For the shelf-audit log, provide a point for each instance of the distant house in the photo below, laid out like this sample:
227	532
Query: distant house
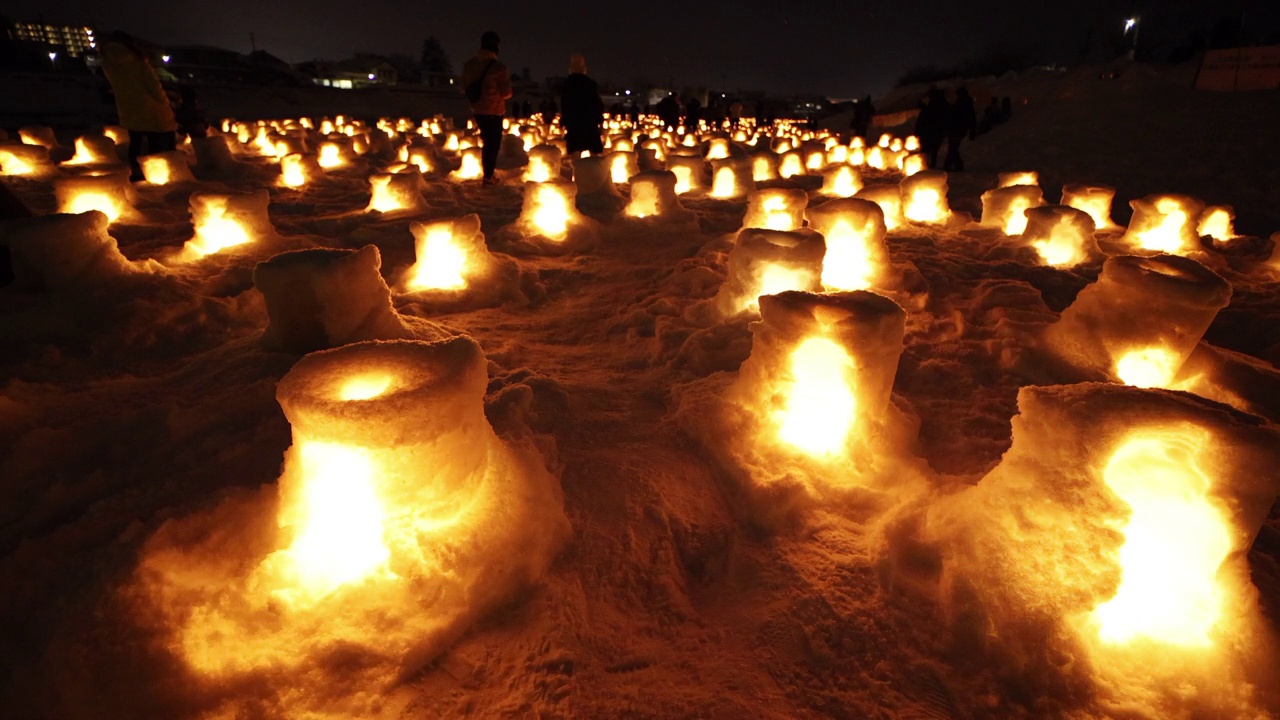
357	72
73	40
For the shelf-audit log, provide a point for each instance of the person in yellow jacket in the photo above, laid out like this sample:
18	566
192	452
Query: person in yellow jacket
141	102
487	84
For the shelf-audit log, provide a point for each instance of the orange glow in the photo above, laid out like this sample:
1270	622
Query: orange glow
383	197
1016	222
843	183
538	170
718	149
774	279
1063	248
791	166
762	169
87	200
214	231
684	178
925	206
777	216
875	158
1018	178
1148	367
331	156
471	167
1216	223
551	216
293	171
724	184
442	261
913	164
619	170
11	164
1176	539
848	263
819	404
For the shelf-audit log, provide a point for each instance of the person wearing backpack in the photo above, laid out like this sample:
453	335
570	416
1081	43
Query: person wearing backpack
582	111
488	87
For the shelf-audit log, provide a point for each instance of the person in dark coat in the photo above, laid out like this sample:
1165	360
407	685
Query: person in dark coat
582	110
493	81
990	117
668	110
692	114
191	119
962	121
863	112
931	124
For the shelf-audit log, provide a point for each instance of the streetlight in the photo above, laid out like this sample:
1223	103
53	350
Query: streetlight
1128	24
164	58
53	57
1132	24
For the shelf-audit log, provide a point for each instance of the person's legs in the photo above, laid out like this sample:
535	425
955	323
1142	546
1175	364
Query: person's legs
137	139
953	161
490	142
161	142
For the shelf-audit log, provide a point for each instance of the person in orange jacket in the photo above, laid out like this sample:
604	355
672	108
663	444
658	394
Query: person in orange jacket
141	101
488	87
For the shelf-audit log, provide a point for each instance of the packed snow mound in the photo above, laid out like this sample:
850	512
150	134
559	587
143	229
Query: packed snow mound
67	253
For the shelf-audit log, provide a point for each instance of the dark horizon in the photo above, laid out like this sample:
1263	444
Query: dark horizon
830	48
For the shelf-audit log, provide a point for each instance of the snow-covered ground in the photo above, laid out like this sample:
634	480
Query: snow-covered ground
141	418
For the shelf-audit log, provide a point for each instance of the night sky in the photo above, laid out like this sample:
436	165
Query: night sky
839	48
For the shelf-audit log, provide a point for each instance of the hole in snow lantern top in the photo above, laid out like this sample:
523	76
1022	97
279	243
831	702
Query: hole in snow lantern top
226	220
776	209
1063	236
924	198
1164	224
1140	321
324	298
1006	207
821	370
1093	199
853	230
767	262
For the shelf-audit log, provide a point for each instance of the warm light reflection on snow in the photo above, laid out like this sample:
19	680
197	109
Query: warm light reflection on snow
724	184
1175	541
1216	223
777	216
551	216
1016	222
819	401
441	261
847	264
1152	367
364	387
1166	235
774	279
330	156
925	206
214	231
1063	248
87	200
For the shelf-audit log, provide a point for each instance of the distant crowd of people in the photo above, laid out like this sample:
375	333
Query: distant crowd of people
951	121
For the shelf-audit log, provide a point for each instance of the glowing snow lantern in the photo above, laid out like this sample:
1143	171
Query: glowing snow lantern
420	158
837	154
331	156
395	193
730	179
924	198
592	177
1004	180
1164	223
889	198
118	134
764	167
94	150
718	148
792	165
108	193
544	164
896	145
767	262
877	158
165	168
1216	222
912	144
298	170
841	181
324	298
858	157
1095	200
853	230
1006	207
550	218
688	171
62	253
39	135
654	195
815	161
776	209
913	163
213	156
226	220
1141	320
885	141
25	160
1063	236
471	167
857	142
448	253
622	165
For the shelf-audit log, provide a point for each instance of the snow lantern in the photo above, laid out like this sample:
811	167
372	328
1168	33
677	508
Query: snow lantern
767	262
166	168
717	148
298	170
853	230
688	170
1093	199
653	195
877	157
911	144
814	161
885	140
1122	514
397	193
544	164
64	252
213	156
841	181
549	213
332	155
791	165
25	160
227	220
821	369
1006	207
858	156
324	298
764	166
1164	223
776	209
118	134
421	158
591	176
622	165
1012	179
41	135
1217	222
94	150
924	198
1141	320
914	163
109	193
449	253
837	154
889	198
471	168
730	179
1062	235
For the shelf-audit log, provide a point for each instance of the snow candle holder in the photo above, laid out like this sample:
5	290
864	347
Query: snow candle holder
913	163
298	170
549	214
889	198
1141	320
622	165
877	157
1093	199
791	165
396	193
1062	235
450	253
1217	222
717	148
1014	179
227	220
730	179
1164	224
821	369
94	150
924	198
767	262
688	170
1006	207
41	135
841	181
324	298
764	166
25	160
653	195
471	167
544	164
65	253
109	193
856	255
166	168
776	209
